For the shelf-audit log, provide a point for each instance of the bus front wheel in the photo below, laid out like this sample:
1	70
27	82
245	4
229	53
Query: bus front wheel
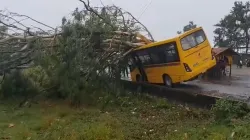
167	81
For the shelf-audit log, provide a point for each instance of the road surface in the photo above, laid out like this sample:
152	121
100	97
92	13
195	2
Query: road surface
237	87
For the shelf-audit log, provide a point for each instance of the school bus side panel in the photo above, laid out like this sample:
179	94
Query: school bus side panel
172	66
149	72
155	74
175	71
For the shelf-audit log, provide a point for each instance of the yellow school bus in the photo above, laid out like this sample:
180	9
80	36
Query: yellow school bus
172	61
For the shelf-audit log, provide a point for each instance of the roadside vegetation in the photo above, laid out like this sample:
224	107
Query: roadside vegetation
106	115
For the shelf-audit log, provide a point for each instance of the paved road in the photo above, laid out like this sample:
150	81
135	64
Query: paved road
238	87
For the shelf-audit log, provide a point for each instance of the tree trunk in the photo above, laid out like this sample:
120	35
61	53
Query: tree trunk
230	71
247	46
236	46
247	40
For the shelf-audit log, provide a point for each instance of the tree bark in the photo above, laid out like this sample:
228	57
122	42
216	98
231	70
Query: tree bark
230	71
247	40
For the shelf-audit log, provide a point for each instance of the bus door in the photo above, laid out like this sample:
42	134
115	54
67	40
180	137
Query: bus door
145	66
139	64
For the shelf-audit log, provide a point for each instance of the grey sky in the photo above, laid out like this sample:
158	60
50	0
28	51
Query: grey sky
163	17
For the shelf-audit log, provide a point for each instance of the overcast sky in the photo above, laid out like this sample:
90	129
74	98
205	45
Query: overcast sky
162	17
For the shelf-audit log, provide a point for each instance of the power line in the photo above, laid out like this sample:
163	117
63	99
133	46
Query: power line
146	7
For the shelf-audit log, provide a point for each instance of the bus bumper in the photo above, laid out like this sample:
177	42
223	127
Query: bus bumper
195	74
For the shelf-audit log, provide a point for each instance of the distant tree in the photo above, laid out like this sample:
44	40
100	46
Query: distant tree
188	27
3	29
233	30
179	32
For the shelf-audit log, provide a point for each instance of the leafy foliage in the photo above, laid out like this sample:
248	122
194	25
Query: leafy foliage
16	84
188	27
81	61
226	110
233	30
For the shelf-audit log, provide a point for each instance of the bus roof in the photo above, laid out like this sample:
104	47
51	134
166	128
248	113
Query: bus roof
189	32
168	40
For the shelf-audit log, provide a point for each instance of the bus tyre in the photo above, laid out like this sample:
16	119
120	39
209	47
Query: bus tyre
167	81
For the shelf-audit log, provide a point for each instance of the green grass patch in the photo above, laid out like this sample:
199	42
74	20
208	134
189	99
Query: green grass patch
131	118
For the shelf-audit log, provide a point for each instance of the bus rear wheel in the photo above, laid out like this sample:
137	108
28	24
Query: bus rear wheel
167	81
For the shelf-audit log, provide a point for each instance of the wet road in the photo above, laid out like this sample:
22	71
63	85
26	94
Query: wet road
238	87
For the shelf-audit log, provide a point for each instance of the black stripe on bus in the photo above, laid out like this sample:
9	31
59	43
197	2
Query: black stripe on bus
161	65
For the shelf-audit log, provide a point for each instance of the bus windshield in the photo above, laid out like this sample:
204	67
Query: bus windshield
193	40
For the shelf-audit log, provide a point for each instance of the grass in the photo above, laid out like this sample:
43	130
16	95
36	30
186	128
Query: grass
131	118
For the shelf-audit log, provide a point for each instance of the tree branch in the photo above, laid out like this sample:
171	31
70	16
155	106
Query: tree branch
88	8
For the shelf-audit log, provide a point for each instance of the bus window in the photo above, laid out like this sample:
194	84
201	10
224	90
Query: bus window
155	58
131	63
200	37
144	57
141	57
147	59
193	40
156	55
188	42
171	54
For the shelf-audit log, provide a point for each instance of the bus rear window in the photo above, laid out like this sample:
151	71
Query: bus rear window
193	40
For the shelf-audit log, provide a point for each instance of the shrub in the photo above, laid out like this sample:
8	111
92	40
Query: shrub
16	84
225	110
38	77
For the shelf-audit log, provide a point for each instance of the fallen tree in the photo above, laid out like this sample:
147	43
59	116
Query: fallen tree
92	44
110	28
